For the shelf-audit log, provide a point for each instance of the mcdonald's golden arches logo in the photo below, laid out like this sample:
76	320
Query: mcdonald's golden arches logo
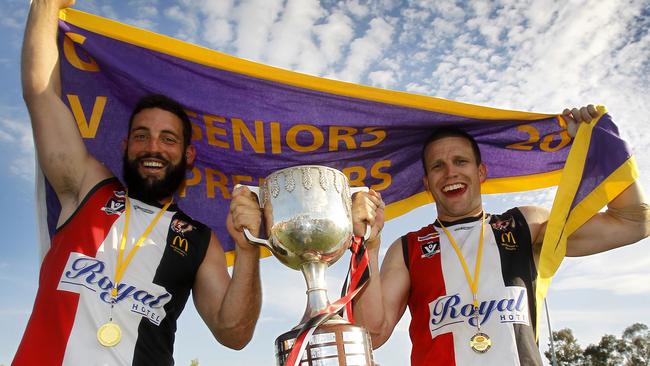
508	240
180	245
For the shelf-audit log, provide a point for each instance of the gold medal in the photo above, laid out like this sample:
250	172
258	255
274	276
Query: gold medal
109	334
480	342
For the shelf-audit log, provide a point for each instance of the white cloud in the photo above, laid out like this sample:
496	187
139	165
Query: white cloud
442	27
334	36
587	273
11	23
188	21
418	88
291	35
356	8
143	14
367	50
255	18
18	136
382	78
216	32
216	29
540	197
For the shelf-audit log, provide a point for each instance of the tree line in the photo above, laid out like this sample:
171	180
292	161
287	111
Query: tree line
631	349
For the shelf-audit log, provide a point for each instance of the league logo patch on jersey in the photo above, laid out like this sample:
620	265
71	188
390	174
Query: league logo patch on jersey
181	227
504	223
430	249
115	204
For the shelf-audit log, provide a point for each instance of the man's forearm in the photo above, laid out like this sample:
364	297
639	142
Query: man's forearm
369	306
242	301
39	54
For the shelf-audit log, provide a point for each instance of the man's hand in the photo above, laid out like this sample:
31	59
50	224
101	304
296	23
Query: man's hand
60	4
244	212
66	3
575	116
368	208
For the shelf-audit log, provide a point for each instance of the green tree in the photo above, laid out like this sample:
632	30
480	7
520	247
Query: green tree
635	345
567	349
606	353
194	362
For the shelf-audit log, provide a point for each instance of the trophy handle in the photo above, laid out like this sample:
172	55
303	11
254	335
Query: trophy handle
354	190
250	237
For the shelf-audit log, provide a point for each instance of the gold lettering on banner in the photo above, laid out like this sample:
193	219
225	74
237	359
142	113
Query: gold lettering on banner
534	138
215	179
379	135
239	128
276	142
197	133
211	130
342	134
239	179
275	137
386	178
317	136
189	182
219	185
356	175
565	139
87	129
70	52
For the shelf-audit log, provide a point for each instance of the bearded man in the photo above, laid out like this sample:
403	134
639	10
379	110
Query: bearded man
124	259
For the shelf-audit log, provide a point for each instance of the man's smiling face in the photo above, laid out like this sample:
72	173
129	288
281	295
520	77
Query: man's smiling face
155	158
454	178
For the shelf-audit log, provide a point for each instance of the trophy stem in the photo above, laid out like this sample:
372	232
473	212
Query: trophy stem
317	300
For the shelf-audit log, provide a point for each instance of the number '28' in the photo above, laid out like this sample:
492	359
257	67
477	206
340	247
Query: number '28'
547	143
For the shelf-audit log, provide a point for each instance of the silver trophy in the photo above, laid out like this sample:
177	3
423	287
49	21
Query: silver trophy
308	220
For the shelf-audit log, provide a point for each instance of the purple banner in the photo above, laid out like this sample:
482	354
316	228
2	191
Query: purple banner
246	127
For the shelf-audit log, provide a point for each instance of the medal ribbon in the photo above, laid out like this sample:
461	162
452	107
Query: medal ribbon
358	276
121	265
473	284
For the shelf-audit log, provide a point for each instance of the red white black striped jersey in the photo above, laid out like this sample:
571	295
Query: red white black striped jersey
440	299
77	274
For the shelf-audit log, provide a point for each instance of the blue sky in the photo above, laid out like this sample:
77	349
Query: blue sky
527	55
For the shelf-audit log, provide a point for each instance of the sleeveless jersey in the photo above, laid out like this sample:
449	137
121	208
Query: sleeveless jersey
440	299
77	274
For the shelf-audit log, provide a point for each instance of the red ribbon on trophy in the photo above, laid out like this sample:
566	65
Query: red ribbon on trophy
358	276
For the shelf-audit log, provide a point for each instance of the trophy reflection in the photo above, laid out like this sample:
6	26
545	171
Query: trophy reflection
307	215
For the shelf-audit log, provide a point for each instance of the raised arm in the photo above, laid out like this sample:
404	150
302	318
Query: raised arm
382	303
61	153
626	220
231	307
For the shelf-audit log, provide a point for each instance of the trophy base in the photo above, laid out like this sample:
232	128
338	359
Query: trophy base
333	343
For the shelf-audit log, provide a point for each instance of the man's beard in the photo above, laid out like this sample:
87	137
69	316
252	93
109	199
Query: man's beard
148	189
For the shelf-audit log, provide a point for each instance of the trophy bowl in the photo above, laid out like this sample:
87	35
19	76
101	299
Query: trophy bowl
308	220
306	214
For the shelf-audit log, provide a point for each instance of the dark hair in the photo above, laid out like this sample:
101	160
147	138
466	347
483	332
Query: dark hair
443	132
167	104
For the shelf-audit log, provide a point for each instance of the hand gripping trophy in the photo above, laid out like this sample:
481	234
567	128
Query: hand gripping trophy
307	215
